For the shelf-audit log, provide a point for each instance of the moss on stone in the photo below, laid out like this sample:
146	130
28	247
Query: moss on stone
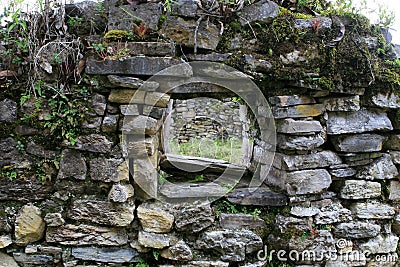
116	35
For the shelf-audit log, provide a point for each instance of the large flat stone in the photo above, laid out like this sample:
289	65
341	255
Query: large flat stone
358	143
380	169
357	122
357	230
140	125
257	197
386	100
72	165
139	65
152	240
290	100
240	221
308	161
260	11
8	110
300	111
194	217
7	261
154	218
33	260
108	170
300	127
348	103
381	244
150	48
294	142
29	225
373	210
107	255
360	189
308	182
93	143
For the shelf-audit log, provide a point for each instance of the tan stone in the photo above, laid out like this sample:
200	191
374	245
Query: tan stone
5	241
29	225
7	261
126	96
154	219
157	99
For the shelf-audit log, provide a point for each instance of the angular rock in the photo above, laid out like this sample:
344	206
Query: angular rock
386	100
183	32
342	171
380	169
154	112
308	161
308	182
357	122
109	124
29	225
86	235
323	23
290	100
139	65
54	219
357	230
108	170
395	155
348	103
156	99
258	65
7	261
5	241
93	143
33	260
72	165
126	82
184	8
359	189
396	224
393	143
11	156
322	245
149	49
140	125
122	96
300	111
380	244
145	176
129	110
213	56
154	218
240	221
178	252
394	191
206	264
233	244
300	127
257	197
107	255
333	214
373	210
292	142
152	240
40	151
8	110
358	143
102	212
300	211
98	104
194	217
121	192
260	11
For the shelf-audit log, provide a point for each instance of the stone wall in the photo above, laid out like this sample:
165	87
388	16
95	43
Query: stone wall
333	185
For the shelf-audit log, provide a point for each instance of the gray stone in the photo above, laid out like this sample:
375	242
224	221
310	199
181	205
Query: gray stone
11	156
257	197
308	161
121	192
289	224
29	225
125	96
300	211
140	125
394	191
357	122
145	176
93	143
386	100
108	170
258	65
372	210
292	142
109	124
92	123
357	230
154	218
396	224
178	252
395	155
322	245
204	263
380	244
127	82
358	143
154	112
98	104
183	32
213	56
26	130
393	143
333	213
72	165
300	111
129	110
233	244
194	217
359	189
323	23
240	221
184	8
380	169
7	261
107	255
342	171
33	260
5	241
348	103
307	182
139	65
290	100
54	219
122	17
152	240
8	110
82	235
293	58
102	212
40	151
301	127
261	11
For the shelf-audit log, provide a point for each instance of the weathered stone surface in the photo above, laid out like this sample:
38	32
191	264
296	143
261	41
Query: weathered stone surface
194	217
355	258
152	240
257	196
300	111
396	224
233	244
213	56
183	32
7	261
348	103
184	8
393	143
357	122
139	65
323	23
300	211
357	230
332	214
293	142
11	156
108	170
206	264
8	110
33	260
23	191
372	210
380	169
102	212
5	241
86	235
240	221
359	189
390	261
72	165
289	224
386	100
122	96
395	155
98	104
130	110
107	255
122	18
342	171
29	225
256	64
381	244
308	161
54	219
145	176
154	112
358	143
308	181
156	99
109	124
127	82
40	151
301	127
93	143
178	252
154	218
140	125
394	191
121	192
150	49
290	100
261	11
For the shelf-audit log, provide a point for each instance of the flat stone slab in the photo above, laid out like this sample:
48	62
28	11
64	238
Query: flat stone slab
290	100
303	127
360	189
257	197
237	221
108	255
358	143
300	111
308	161
293	142
139	65
150	48
195	191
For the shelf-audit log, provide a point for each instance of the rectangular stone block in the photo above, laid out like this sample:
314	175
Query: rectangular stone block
290	100
349	103
360	189
308	161
140	125
298	127
151	48
358	143
308	182
107	255
394	191
292	142
373	210
125	96
300	111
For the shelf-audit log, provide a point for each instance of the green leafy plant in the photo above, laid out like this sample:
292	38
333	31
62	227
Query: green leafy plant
197	178
20	146
142	263
74	21
156	254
